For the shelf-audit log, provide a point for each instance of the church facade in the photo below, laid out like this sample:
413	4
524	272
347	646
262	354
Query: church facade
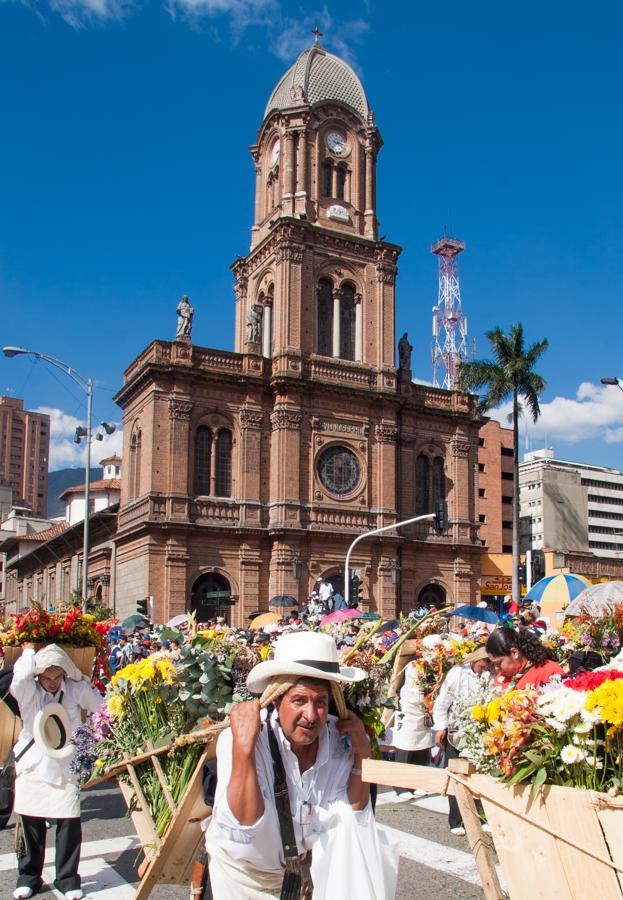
247	474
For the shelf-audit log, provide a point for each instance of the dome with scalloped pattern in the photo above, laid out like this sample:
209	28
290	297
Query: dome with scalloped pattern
315	77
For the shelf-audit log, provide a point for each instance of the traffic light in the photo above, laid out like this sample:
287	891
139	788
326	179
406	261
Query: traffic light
522	574
141	607
353	597
441	516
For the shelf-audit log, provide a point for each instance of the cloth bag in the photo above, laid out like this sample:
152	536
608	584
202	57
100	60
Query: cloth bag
354	858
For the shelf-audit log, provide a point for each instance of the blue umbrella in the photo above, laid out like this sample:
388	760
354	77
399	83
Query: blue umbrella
477	613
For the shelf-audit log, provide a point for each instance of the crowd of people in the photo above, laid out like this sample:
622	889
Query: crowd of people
289	790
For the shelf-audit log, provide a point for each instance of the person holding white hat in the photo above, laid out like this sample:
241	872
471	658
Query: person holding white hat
288	776
51	692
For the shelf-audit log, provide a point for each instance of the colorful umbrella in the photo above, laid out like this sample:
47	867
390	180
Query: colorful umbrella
340	615
597	600
264	619
557	589
477	613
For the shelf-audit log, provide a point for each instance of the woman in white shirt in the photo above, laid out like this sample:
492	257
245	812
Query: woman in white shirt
412	735
45	787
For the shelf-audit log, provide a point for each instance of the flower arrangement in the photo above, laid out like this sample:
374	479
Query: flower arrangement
72	627
433	664
604	635
562	733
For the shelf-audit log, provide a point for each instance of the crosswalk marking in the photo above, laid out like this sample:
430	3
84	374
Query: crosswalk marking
103	847
102	882
436	856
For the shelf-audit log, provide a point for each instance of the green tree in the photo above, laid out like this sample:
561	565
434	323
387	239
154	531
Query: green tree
509	375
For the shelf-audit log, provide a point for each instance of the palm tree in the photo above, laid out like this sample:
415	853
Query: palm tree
510	374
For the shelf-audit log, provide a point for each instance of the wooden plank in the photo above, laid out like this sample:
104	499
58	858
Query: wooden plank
572	812
527	854
609	818
174	860
480	846
141	821
423	778
143	805
162	779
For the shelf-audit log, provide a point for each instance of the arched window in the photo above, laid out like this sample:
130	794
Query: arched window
203	450
135	464
439	479
347	322
222	463
327	179
340	182
422	491
324	330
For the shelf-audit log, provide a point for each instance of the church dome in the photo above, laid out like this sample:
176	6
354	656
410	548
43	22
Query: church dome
315	77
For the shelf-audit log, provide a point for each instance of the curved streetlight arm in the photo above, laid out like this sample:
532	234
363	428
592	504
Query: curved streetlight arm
84	383
366	534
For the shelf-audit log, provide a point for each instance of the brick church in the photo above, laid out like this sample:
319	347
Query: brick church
247	474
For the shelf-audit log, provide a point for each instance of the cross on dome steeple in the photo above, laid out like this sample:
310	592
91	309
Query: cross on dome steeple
317	33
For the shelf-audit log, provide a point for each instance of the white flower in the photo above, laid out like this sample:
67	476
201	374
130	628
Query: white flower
559	727
583	727
570	754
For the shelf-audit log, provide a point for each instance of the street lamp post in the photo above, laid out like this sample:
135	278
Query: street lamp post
367	534
87	386
613	381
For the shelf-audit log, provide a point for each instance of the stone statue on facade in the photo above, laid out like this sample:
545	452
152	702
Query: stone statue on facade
404	353
254	324
185	314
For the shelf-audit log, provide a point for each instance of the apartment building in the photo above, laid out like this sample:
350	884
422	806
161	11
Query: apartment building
24	454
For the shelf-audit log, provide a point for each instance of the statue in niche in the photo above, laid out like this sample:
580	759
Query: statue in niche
185	314
254	324
404	352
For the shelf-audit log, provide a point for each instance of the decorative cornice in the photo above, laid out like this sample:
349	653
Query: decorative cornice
251	418
461	448
286	420
287	251
386	434
180	409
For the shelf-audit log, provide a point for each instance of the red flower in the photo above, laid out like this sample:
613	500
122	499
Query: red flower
588	681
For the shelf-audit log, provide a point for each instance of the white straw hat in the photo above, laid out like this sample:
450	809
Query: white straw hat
52	730
307	654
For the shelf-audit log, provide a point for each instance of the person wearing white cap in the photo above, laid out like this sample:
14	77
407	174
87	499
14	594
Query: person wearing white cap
51	692
289	777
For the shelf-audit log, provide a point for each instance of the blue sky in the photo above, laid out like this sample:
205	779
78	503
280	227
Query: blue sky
125	181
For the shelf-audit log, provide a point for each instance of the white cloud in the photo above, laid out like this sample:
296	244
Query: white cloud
241	13
82	13
64	453
596	412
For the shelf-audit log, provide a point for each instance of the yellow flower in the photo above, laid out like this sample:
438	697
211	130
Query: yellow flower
493	710
479	713
115	705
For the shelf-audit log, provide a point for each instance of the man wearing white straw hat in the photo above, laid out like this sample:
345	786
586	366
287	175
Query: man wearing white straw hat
51	692
289	778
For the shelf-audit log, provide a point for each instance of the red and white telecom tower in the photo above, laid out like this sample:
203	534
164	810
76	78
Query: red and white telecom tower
449	324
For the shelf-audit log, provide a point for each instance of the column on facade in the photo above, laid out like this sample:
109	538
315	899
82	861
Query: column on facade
290	171
251	597
267	329
358	328
369	192
176	599
336	323
258	193
179	448
386	435
285	480
301	186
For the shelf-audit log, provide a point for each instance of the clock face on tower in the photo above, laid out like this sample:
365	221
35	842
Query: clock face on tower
274	153
336	142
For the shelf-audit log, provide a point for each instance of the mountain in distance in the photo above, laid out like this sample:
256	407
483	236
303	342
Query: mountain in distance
60	480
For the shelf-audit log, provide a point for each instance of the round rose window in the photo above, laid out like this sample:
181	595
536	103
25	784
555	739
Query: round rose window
338	470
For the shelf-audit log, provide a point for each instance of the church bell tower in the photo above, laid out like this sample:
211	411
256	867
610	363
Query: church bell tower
317	283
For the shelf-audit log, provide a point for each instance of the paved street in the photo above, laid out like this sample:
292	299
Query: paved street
433	863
